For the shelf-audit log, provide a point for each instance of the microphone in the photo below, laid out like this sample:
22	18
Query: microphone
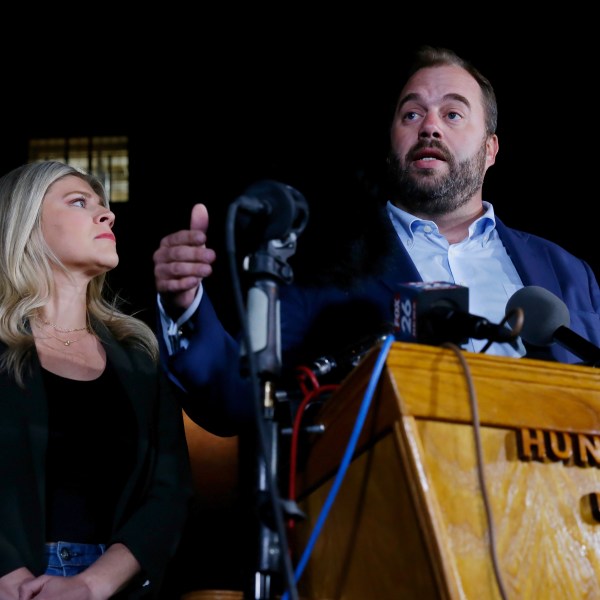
271	215
272	210
437	312
546	320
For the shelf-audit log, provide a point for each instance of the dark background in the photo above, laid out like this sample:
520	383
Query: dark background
306	102
211	105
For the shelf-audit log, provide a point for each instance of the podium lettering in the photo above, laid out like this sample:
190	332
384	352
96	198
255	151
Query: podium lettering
569	448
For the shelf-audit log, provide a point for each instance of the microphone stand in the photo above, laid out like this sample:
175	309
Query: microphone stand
268	268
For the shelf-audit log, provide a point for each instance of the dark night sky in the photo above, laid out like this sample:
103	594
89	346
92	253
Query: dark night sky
207	115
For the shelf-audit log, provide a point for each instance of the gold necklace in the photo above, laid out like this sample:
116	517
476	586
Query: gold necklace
56	328
68	342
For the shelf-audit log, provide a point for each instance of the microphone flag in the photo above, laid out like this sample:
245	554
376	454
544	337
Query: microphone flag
416	301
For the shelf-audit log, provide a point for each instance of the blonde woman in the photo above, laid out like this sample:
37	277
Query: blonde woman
94	471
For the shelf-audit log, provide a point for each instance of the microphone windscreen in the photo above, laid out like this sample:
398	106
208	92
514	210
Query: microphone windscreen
543	314
285	210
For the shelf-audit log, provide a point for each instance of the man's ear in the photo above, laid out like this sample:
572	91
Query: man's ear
491	146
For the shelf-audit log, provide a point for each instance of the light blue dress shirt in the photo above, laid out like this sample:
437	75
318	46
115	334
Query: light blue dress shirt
172	331
479	262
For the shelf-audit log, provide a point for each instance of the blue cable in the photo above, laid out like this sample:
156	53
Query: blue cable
345	462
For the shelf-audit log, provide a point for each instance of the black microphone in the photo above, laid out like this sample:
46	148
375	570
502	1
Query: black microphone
271	215
437	312
271	210
546	320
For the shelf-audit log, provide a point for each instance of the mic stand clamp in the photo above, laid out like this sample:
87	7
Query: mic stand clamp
270	260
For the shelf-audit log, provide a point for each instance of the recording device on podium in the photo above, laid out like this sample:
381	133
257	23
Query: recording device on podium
437	312
423	312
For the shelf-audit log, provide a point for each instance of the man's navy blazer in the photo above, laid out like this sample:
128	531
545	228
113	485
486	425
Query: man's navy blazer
317	320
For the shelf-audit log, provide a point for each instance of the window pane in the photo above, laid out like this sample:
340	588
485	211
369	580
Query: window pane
105	157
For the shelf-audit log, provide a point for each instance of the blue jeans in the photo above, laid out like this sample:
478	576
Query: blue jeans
67	558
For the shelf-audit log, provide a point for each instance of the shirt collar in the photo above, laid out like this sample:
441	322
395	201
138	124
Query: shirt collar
407	223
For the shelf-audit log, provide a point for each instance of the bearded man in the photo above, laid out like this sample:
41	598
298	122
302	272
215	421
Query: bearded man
434	227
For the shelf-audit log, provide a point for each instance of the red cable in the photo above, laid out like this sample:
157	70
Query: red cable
309	395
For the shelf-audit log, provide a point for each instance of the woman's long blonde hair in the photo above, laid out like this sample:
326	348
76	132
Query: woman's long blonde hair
26	280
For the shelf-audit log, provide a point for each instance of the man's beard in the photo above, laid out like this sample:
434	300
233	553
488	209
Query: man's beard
432	194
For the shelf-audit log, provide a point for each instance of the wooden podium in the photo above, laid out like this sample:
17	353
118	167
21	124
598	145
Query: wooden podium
409	521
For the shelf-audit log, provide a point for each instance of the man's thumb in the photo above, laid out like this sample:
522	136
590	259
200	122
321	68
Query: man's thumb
199	219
